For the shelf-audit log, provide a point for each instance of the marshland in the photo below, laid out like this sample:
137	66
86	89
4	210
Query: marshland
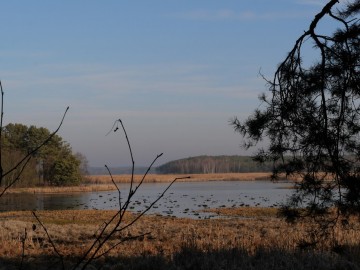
183	199
157	66
104	182
226	237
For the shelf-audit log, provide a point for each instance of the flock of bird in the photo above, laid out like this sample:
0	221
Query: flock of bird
189	203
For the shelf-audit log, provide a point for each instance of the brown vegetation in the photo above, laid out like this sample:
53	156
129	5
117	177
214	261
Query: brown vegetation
67	189
167	178
245	212
104	183
253	242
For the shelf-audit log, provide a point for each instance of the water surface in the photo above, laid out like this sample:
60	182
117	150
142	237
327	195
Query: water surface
183	199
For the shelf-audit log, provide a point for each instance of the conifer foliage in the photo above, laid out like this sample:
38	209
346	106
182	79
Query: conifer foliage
312	119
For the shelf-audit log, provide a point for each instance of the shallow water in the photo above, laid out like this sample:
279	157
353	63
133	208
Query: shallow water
183	199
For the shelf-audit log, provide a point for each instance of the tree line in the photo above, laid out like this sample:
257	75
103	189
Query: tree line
54	164
214	164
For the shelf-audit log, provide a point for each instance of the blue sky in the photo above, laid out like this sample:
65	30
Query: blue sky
174	71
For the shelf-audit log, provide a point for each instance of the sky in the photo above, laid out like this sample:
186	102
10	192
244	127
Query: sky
175	72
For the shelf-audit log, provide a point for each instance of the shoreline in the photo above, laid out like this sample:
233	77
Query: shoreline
167	178
103	182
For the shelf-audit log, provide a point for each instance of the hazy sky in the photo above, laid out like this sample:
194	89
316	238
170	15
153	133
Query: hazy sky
174	71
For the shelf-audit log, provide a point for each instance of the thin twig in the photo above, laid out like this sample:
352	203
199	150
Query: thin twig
131	155
17	178
112	180
1	128
50	240
153	203
126	239
23	239
25	160
32	152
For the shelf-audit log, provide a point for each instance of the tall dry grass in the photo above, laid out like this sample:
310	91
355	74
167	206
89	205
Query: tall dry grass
254	242
166	178
66	189
104	182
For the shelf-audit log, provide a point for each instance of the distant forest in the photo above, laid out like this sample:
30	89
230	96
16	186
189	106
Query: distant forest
214	164
118	170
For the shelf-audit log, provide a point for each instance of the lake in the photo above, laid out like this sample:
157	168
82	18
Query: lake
183	199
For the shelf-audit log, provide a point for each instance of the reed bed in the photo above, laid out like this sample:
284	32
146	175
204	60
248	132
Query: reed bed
66	189
254	242
104	182
245	212
166	178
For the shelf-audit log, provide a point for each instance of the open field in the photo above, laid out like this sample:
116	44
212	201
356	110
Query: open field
259	241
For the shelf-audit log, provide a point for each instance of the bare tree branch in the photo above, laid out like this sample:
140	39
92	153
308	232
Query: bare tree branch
25	160
115	224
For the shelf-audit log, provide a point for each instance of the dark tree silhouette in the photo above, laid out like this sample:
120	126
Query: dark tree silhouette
312	121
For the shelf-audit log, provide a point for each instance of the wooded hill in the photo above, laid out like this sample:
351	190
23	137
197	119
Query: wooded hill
214	164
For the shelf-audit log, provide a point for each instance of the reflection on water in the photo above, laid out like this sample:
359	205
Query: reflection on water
183	199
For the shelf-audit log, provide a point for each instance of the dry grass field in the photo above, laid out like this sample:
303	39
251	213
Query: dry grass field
254	239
